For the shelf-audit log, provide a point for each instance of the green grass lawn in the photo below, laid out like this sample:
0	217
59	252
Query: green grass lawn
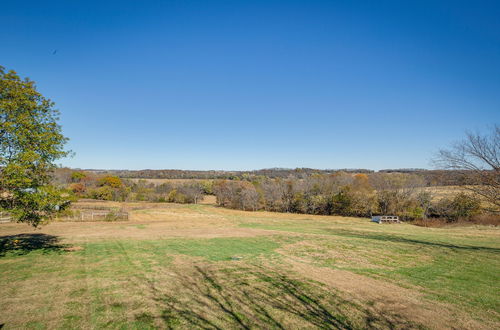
447	264
57	281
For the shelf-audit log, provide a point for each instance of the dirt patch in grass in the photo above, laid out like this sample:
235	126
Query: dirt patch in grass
242	295
340	253
73	248
390	299
78	232
209	200
316	252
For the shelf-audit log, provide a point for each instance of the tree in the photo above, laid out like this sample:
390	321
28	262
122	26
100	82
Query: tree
342	202
396	192
78	176
424	200
477	160
30	142
249	197
110	180
461	206
246	196
193	192
223	192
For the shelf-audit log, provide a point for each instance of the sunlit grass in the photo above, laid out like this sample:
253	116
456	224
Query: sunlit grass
232	282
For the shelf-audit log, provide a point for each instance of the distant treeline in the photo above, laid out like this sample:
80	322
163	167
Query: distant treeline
337	193
430	177
345	194
299	173
101	186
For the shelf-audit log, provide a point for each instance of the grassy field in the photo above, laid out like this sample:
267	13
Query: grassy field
439	192
185	266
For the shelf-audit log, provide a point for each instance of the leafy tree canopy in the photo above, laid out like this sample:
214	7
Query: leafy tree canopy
30	142
111	181
78	176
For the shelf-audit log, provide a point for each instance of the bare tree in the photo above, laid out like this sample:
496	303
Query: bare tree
396	191
192	191
477	159
223	191
249	197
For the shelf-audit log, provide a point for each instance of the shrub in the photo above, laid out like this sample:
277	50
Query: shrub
111	216
342	202
461	206
172	196
102	193
465	206
207	186
111	181
78	176
77	188
363	204
415	213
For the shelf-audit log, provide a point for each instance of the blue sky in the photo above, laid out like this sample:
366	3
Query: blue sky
258	84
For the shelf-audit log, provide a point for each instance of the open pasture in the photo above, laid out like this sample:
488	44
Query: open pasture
440	192
184	266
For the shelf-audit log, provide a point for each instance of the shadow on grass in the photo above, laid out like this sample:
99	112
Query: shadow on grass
25	243
400	239
258	297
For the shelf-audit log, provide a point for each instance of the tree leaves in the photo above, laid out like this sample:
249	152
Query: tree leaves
30	141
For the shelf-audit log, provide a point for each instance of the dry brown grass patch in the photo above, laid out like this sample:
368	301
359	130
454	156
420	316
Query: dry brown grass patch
388	299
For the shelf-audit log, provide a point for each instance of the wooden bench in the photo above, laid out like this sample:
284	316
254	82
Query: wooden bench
386	219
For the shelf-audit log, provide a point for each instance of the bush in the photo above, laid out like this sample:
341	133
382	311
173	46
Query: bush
77	188
111	181
342	202
466	206
462	206
481	219
207	186
111	216
78	176
172	196
101	193
415	213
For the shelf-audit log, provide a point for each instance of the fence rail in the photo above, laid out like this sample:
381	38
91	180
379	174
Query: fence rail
82	215
5	217
96	215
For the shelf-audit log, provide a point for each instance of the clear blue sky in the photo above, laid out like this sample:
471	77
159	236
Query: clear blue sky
256	84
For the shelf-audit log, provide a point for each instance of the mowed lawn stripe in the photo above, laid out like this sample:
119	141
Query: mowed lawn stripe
64	277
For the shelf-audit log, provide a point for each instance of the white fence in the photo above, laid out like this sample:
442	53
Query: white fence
5	217
83	215
97	215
